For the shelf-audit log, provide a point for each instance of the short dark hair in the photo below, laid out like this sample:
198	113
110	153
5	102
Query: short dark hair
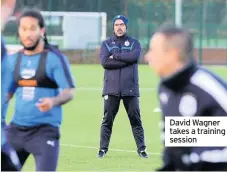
179	38
35	13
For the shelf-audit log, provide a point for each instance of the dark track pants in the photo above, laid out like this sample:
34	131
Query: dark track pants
111	107
9	159
176	163
201	166
41	141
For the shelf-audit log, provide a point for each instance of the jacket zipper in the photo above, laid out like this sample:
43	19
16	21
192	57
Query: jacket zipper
119	91
120	78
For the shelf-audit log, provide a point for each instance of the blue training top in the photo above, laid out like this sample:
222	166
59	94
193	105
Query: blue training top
4	105
4	57
57	69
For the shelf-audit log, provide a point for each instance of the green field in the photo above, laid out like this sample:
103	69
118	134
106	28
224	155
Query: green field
82	119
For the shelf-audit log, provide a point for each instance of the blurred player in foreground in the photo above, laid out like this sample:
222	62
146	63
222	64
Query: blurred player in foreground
37	74
186	90
9	159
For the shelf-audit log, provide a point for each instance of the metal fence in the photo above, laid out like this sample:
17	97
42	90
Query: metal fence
206	19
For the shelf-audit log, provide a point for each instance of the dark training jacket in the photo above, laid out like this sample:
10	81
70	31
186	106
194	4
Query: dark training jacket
194	91
121	72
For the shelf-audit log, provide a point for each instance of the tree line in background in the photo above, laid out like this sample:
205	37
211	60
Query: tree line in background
215	9
206	16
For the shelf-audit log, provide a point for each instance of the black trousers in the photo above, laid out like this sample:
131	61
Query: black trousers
201	166
176	163
111	107
42	141
9	159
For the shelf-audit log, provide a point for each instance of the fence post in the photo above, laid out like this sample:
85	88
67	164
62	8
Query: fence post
178	13
201	33
99	6
149	24
50	17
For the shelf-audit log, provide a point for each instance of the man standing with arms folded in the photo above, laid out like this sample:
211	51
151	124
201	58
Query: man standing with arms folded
119	57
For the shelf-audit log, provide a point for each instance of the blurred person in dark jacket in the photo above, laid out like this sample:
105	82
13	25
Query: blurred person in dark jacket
119	57
186	90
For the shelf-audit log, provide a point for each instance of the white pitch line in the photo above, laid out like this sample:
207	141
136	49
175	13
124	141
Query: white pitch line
156	110
116	150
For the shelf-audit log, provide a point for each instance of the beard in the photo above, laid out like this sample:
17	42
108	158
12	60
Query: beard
33	47
121	34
